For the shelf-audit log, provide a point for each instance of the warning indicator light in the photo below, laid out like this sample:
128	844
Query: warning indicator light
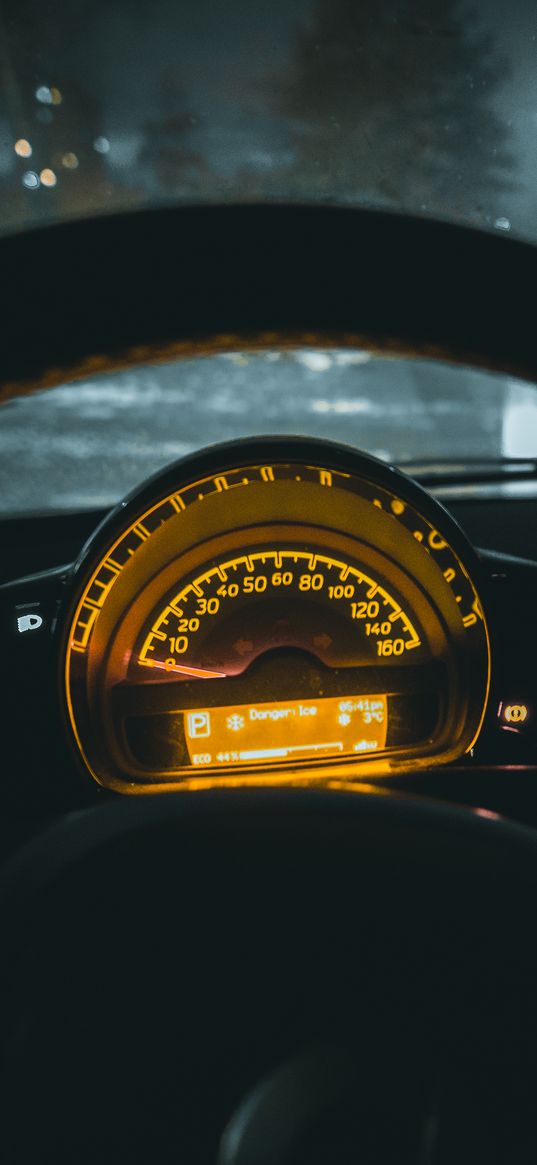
515	713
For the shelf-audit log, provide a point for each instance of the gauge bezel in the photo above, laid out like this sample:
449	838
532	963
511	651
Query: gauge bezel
244	451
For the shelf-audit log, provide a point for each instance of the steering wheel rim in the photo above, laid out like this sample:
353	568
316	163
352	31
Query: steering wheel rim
101	293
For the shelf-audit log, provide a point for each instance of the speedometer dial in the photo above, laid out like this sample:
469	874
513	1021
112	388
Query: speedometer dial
282	618
314	592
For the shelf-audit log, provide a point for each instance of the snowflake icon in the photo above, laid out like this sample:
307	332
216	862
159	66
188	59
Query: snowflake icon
235	722
344	718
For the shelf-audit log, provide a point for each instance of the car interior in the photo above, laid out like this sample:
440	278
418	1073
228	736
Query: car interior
268	578
267	880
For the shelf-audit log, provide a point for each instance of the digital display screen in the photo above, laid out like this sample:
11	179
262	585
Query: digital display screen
290	730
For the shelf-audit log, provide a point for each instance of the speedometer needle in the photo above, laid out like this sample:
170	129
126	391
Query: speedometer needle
199	673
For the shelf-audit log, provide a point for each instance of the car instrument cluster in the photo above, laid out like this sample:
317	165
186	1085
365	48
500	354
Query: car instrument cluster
270	611
290	609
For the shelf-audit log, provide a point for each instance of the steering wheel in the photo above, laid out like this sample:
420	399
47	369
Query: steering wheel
266	976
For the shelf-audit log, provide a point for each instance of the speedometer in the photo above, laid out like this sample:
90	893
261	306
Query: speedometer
288	579
274	611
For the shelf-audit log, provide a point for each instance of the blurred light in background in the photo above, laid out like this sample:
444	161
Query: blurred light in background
30	179
48	177
102	145
70	160
23	148
44	95
49	96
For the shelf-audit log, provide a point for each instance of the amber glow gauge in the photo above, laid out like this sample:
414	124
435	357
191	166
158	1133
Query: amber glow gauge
274	611
272	597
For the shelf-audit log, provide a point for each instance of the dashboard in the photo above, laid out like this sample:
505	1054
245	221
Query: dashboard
269	612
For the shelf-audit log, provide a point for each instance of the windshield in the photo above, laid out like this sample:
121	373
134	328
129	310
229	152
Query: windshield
408	105
403	104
